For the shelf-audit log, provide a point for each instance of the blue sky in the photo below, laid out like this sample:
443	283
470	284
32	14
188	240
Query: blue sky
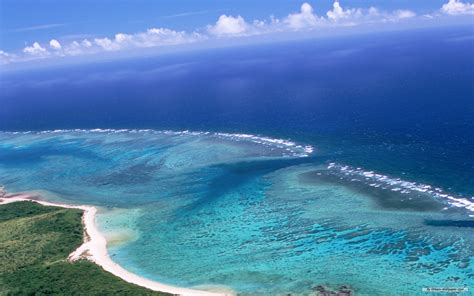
48	28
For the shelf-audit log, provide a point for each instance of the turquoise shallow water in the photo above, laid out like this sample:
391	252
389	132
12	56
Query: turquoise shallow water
255	214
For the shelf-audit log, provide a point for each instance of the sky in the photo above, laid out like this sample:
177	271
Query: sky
51	29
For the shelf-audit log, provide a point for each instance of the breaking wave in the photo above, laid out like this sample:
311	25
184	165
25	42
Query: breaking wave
398	185
293	149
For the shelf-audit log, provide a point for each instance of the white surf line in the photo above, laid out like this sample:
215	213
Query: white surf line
402	186
94	249
297	150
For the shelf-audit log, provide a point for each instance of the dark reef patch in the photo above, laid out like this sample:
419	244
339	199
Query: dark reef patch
450	223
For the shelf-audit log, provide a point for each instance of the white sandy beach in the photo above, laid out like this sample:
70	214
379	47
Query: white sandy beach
94	249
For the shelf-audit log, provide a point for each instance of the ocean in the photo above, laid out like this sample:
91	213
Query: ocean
264	169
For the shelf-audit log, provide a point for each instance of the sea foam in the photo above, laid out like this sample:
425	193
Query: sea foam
398	185
293	149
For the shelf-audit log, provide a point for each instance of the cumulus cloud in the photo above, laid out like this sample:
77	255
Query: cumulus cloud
86	43
106	44
338	13
303	19
74	48
229	25
355	16
36	49
394	16
150	38
54	44
77	48
454	7
158	37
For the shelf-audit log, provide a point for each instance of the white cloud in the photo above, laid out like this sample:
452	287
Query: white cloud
121	38
356	16
149	38
106	44
54	44
373	11
454	7
394	16
35	49
404	14
161	36
121	41
77	48
337	13
304	19
229	25
86	43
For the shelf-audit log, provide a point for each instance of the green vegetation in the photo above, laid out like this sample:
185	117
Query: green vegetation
35	241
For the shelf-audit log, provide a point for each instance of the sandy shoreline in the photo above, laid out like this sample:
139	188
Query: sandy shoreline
94	249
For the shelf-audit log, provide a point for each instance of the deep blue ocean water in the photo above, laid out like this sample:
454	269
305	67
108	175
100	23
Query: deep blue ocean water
383	198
